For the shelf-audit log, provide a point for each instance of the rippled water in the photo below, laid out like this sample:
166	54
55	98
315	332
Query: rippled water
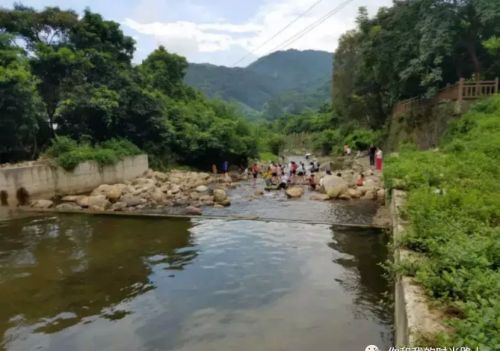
91	283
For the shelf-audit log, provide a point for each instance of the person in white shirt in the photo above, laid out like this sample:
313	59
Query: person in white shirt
284	182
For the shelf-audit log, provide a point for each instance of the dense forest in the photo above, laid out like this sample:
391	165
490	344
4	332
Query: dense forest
65	76
413	48
289	81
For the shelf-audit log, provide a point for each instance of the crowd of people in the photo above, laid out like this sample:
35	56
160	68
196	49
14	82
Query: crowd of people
281	176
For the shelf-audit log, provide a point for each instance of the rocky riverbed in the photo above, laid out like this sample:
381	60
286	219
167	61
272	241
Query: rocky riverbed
195	193
192	190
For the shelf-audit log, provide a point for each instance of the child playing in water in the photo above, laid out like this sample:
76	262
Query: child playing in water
312	182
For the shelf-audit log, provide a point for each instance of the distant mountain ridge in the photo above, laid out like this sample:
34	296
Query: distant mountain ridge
306	72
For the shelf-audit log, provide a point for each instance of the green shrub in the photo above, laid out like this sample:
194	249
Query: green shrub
68	153
361	139
454	211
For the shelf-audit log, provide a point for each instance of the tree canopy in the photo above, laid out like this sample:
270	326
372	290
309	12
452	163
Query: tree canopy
65	75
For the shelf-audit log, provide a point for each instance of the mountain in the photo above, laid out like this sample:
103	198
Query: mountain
272	77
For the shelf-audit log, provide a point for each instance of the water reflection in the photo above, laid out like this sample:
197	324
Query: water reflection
57	271
89	283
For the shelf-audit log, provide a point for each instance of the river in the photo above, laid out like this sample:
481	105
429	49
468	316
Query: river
120	284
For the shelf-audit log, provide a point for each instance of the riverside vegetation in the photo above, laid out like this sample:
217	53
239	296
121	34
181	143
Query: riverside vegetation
454	211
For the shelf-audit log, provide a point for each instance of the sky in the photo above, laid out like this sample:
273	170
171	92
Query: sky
220	32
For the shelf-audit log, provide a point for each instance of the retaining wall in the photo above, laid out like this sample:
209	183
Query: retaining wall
414	320
43	181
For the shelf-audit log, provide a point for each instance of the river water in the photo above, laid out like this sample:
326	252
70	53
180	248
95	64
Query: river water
87	283
103	283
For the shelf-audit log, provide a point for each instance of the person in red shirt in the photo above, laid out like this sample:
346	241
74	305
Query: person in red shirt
361	180
312	182
255	172
294	172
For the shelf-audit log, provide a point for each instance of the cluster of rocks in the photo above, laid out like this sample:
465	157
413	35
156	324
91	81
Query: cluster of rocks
346	188
152	190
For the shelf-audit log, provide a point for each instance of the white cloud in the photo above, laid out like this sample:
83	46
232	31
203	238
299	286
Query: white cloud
193	38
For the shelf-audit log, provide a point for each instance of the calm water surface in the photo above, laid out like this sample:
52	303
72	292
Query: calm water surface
102	283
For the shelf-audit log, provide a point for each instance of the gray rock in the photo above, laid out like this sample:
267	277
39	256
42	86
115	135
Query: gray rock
135	201
68	207
119	206
42	204
202	188
219	195
99	201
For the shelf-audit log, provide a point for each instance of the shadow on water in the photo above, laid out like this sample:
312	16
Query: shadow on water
84	283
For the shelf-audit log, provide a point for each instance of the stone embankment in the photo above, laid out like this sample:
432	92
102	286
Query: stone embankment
191	190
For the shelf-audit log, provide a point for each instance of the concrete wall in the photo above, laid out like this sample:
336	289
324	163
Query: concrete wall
414	319
41	181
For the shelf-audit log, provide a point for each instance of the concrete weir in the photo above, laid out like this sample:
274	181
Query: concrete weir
41	180
149	215
414	319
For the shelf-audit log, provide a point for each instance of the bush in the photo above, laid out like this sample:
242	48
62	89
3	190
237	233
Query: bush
361	139
326	141
457	226
276	144
68	153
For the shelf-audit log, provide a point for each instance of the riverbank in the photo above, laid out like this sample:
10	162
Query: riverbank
453	215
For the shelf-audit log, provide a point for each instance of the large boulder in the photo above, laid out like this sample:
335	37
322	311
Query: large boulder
334	186
204	176
319	197
219	195
354	193
114	192
370	195
345	196
365	188
83	201
68	206
202	188
119	206
42	204
101	190
294	192
99	201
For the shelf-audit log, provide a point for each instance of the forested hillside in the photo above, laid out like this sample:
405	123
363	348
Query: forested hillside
413	48
74	78
280	78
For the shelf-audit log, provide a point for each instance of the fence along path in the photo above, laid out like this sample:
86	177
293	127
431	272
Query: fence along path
459	91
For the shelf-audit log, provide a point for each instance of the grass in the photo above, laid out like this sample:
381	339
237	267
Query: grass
267	157
67	153
454	211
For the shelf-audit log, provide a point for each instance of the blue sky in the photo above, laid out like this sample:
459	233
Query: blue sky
219	31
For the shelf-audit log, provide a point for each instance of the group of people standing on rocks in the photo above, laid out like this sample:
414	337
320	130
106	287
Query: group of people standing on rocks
282	175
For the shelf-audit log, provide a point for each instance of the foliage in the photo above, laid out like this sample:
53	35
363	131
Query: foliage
413	48
74	77
361	139
68	153
454	211
326	141
276	144
284	81
19	102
